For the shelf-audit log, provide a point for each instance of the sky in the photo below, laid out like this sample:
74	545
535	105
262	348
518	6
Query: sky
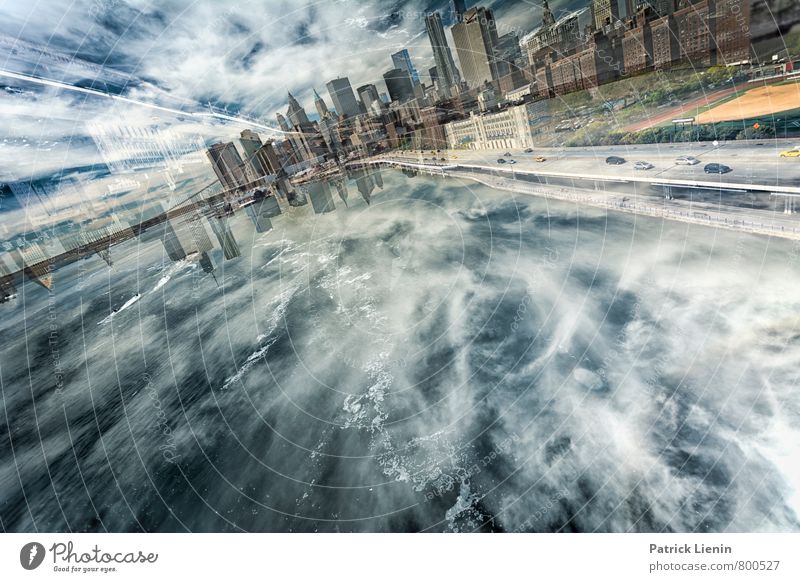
246	54
243	56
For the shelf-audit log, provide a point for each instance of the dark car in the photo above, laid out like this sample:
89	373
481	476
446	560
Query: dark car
717	169
615	160
501	161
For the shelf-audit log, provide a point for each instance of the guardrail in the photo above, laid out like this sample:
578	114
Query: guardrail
697	213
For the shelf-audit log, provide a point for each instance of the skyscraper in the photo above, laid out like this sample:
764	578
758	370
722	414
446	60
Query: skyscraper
227	164
251	143
341	93
222	230
322	108
402	60
475	38
268	159
370	98
605	12
399	85
459	8
295	113
446	70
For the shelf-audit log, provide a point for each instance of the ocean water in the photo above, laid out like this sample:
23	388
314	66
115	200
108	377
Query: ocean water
433	355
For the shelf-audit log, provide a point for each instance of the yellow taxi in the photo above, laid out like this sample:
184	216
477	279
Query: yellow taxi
794	153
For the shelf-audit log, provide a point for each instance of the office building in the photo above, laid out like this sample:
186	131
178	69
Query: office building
341	94
402	60
222	230
476	41
368	94
268	159
295	113
459	7
606	12
398	83
251	143
446	72
321	106
227	165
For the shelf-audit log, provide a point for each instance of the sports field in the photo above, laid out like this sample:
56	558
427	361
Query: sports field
755	103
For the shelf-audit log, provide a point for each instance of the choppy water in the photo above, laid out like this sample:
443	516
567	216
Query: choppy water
447	358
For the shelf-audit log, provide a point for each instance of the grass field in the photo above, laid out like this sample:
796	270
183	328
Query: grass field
755	103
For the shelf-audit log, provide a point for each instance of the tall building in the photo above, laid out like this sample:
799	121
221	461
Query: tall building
664	35
399	85
732	31
282	122
322	108
476	42
370	98
402	60
268	159
459	8
660	7
295	113
695	25
251	143
224	234
341	93
446	70
227	165
605	12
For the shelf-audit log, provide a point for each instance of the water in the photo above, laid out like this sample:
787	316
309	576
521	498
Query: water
444	358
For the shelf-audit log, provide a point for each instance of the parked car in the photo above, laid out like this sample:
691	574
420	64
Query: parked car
687	161
717	169
501	161
643	166
615	160
793	153
540	159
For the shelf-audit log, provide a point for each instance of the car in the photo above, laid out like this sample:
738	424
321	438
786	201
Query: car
687	161
540	159
615	160
507	154
501	161
442	160
512	161
715	168
643	166
529	150
793	153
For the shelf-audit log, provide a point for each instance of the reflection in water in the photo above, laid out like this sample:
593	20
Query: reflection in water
449	358
183	231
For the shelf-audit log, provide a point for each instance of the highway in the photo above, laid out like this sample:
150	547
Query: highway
743	200
751	164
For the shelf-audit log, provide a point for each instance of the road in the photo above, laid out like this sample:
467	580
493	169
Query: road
571	175
752	164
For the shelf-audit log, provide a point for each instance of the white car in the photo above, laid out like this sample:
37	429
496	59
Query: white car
687	161
643	166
